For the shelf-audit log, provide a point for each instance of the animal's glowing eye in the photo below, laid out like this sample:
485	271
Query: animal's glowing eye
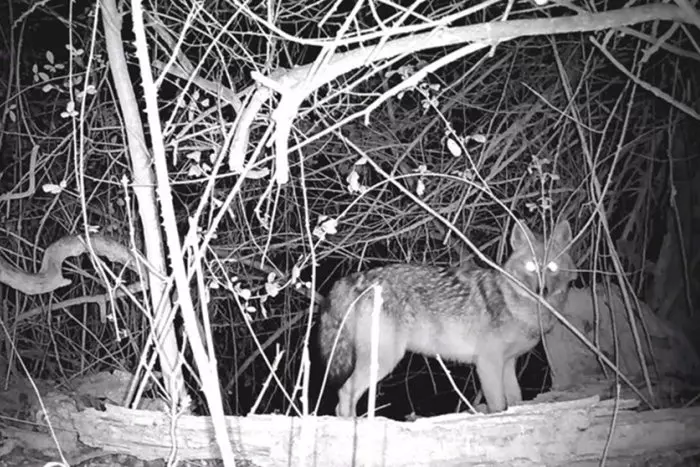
530	266
554	267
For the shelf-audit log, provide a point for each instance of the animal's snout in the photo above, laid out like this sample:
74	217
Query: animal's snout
543	290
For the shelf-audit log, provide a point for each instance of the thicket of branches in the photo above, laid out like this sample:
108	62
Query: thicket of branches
588	127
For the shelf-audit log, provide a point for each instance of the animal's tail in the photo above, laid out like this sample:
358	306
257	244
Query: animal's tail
335	338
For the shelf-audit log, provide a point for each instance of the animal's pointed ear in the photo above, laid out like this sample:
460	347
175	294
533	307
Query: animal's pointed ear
521	236
562	233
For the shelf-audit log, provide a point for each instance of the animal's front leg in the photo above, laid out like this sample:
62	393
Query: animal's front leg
514	395
490	371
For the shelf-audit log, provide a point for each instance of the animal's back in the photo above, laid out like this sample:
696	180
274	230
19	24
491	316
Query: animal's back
434	310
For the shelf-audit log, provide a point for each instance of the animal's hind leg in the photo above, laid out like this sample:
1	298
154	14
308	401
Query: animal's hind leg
391	348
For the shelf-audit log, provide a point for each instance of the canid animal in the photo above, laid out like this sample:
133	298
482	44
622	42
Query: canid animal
469	315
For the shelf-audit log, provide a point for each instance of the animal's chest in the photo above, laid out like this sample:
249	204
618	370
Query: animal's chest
516	338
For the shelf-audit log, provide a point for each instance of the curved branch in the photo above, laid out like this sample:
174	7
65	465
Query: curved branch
50	277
